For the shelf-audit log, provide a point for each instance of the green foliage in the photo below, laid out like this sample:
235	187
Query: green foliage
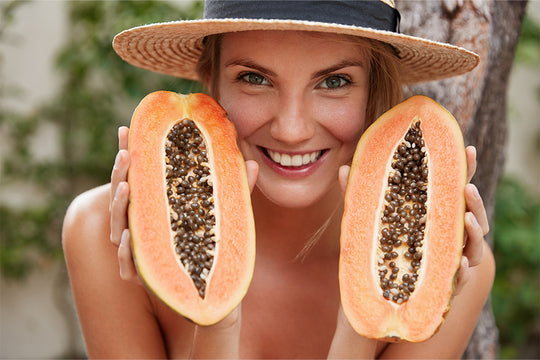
528	50
98	93
516	291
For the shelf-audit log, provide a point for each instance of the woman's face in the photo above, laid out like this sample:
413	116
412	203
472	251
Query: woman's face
298	101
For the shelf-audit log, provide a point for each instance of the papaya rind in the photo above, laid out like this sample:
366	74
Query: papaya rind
149	224
368	312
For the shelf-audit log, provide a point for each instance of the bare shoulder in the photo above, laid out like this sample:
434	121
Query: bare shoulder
88	250
90	206
87	213
116	316
86	233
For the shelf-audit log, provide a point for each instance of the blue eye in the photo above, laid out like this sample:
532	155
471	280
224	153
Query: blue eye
334	82
254	79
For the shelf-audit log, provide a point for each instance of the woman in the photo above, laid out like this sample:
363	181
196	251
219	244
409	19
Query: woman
305	81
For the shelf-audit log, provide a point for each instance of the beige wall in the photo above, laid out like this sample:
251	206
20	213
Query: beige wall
32	313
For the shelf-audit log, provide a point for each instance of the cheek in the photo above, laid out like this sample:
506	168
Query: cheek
346	122
247	115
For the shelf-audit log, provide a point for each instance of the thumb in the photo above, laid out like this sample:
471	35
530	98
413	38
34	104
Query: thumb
252	169
343	177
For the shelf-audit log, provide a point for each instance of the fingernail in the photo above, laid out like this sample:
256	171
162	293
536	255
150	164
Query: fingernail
465	262
118	189
117	160
476	193
473	220
124	237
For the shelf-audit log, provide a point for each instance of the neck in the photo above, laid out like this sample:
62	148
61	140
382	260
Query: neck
298	234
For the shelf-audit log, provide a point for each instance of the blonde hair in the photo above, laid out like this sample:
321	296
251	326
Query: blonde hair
385	84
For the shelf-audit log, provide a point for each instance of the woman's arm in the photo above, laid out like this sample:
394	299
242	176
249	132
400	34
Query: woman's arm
116	316
347	344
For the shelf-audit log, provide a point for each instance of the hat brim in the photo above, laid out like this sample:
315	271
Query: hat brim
174	48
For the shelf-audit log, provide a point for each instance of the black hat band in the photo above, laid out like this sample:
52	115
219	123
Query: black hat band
373	14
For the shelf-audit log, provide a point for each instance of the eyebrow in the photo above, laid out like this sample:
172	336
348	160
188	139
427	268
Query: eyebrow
341	65
250	64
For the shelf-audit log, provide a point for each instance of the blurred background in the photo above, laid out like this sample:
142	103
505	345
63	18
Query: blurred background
63	94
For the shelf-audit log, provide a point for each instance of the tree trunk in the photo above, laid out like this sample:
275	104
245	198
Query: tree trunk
478	99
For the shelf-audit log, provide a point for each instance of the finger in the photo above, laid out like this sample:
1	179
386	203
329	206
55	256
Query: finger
119	172
123	136
125	259
252	169
121	163
119	206
475	205
343	177
475	243
463	275
470	153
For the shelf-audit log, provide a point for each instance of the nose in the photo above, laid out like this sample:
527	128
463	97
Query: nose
293	122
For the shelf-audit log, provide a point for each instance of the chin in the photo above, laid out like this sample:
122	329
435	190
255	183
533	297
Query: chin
294	197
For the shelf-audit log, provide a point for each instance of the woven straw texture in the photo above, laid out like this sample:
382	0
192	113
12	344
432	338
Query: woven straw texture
174	48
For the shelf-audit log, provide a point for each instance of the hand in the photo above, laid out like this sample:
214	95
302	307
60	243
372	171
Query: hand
476	224
119	188
118	208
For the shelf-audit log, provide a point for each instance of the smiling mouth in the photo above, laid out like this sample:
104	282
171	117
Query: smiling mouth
296	160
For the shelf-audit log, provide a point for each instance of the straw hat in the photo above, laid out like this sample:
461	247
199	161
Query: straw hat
174	48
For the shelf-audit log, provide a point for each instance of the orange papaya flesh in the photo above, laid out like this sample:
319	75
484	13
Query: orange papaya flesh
380	233
190	216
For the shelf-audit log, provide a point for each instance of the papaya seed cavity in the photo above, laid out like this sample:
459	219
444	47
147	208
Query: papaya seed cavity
402	222
191	204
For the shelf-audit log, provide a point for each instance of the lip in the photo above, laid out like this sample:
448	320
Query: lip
293	172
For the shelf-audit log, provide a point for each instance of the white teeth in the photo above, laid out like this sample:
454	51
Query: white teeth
275	156
285	160
294	160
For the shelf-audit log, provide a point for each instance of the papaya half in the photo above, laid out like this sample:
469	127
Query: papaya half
403	221
190	215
